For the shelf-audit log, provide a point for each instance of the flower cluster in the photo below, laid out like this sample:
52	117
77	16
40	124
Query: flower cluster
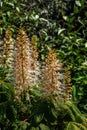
22	65
8	53
35	62
51	75
24	61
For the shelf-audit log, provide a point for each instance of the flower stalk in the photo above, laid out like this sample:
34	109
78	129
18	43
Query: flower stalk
8	54
51	75
22	61
35	62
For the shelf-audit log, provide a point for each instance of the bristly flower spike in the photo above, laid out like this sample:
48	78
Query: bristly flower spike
23	60
8	53
51	75
35	61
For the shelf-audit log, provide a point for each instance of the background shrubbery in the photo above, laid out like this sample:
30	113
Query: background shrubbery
59	25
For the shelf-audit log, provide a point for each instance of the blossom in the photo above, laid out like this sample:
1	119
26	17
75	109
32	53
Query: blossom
8	53
22	65
51	75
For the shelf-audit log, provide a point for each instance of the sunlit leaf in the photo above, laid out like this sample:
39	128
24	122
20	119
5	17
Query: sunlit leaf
78	3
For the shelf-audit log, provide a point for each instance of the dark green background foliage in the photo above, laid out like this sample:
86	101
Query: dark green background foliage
58	24
45	18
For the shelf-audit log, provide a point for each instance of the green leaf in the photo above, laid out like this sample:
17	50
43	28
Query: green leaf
65	18
43	127
38	118
86	45
1	3
76	10
74	92
8	13
72	126
83	2
17	8
11	4
60	30
54	113
78	3
81	126
35	128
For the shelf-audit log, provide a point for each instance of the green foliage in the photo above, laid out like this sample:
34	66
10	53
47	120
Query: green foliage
47	113
20	125
7	110
46	18
73	54
75	126
56	27
41	113
3	73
